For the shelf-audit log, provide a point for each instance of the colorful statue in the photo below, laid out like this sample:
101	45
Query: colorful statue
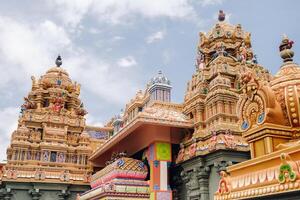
200	61
81	111
224	184
28	104
213	141
243	51
58	104
229	139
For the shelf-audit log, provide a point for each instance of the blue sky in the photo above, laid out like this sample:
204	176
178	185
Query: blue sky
114	47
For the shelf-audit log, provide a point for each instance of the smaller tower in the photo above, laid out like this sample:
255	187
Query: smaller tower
159	88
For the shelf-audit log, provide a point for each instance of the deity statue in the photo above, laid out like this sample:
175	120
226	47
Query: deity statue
81	111
58	104
213	141
243	50
28	105
229	139
200	61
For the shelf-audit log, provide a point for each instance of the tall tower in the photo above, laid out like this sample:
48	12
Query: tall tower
50	144
160	88
223	54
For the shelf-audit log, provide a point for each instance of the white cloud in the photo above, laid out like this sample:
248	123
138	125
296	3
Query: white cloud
116	11
127	61
101	78
8	123
71	12
210	2
93	121
159	35
117	38
26	49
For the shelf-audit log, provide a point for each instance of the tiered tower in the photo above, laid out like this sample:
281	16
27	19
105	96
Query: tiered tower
212	94
210	102
51	144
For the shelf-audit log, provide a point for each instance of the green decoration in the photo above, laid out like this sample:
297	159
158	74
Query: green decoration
163	151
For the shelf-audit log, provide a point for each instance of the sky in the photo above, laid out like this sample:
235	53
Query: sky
114	47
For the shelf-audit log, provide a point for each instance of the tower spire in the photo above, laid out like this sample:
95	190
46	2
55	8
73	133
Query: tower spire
285	49
58	61
221	16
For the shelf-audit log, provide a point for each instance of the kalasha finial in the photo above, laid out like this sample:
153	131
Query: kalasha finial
221	16
285	49
58	61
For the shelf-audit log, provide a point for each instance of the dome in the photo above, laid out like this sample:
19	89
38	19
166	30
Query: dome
230	36
286	83
56	76
160	79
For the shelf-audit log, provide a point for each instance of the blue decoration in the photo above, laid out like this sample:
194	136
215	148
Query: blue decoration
156	187
120	163
98	134
261	118
156	163
245	125
58	82
141	165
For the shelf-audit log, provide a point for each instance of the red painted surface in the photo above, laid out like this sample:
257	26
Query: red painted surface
137	139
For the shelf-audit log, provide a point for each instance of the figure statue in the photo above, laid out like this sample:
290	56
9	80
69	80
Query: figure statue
229	139
27	105
220	50
213	141
81	111
243	53
200	61
224	183
254	59
58	104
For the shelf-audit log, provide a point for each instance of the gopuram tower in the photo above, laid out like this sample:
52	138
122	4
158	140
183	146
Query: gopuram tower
49	150
223	54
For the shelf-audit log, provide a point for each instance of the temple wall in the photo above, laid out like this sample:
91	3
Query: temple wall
46	191
198	178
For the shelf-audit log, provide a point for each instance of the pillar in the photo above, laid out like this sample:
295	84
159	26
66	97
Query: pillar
6	193
160	157
203	180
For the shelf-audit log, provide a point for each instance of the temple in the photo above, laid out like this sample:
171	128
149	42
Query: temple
193	141
235	135
49	150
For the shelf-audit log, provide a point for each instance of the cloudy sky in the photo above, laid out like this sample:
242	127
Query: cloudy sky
113	47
